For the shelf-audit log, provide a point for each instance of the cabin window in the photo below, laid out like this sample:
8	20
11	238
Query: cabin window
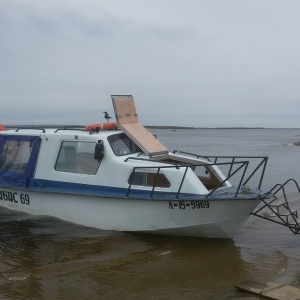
148	179
121	144
15	156
77	157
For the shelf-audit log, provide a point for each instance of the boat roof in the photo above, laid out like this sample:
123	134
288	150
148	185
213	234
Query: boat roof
38	131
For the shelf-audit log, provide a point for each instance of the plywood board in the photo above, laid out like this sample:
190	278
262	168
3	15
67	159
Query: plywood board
127	119
125	110
270	290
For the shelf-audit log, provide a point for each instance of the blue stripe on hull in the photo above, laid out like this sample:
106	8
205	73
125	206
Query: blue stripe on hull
51	186
79	188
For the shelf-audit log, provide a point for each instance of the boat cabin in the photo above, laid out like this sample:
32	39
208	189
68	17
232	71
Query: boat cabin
51	158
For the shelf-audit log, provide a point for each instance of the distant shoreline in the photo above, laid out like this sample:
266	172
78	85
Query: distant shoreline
147	126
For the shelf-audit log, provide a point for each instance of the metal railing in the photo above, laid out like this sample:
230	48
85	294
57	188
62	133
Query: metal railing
31	128
269	200
237	164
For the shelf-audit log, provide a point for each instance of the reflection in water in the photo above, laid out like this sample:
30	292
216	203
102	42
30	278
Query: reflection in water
44	258
18	256
269	251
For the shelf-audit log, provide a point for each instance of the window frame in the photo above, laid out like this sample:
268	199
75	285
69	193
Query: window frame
148	180
78	161
122	137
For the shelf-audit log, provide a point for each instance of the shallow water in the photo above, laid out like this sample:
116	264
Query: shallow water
45	258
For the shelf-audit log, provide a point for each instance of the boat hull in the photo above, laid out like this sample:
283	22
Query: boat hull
214	218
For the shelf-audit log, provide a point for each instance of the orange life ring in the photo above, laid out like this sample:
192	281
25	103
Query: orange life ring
102	126
2	128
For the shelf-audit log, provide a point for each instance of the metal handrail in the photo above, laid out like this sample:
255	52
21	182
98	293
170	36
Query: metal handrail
69	129
31	128
216	158
264	161
284	184
242	165
271	194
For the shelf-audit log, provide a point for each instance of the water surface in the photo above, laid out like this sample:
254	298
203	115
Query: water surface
45	258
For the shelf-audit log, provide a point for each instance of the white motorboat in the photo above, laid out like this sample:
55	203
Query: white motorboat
124	179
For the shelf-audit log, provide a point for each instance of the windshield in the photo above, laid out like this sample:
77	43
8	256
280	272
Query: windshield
122	144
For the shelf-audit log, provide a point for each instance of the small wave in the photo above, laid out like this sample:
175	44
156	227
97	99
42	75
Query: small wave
165	253
282	271
17	277
292	144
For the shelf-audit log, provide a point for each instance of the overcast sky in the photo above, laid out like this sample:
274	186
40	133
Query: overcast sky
213	63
